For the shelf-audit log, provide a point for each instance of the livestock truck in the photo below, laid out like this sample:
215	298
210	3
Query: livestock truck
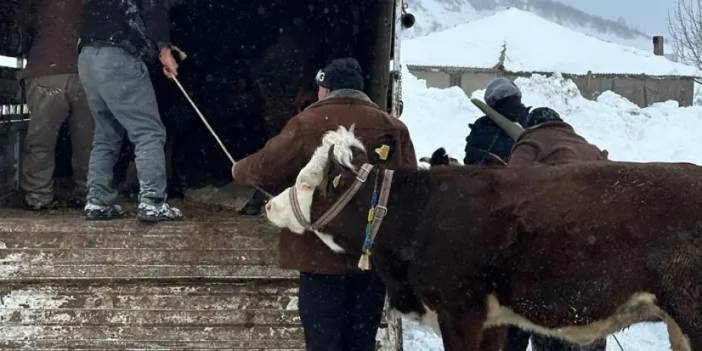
210	281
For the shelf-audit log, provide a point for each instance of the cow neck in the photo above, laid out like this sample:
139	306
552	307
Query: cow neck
336	208
408	201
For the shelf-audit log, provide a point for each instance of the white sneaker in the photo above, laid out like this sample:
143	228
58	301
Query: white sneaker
147	212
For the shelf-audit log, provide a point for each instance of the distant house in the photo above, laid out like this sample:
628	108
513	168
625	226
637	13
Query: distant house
643	90
516	43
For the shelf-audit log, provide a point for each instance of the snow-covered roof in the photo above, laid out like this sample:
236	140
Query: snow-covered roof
533	44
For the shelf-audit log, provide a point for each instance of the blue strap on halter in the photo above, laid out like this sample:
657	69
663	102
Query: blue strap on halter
368	241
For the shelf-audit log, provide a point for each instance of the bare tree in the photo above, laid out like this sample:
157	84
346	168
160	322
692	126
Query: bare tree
685	27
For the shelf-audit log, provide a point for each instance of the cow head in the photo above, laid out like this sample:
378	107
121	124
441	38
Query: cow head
330	171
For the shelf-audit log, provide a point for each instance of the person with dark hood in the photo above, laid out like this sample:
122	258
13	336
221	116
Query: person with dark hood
489	144
54	96
340	305
118	39
548	140
486	139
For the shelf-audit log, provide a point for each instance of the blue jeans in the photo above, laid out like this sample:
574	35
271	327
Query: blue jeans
340	312
122	99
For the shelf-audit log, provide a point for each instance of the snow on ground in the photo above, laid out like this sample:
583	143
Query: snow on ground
436	117
663	132
533	44
639	337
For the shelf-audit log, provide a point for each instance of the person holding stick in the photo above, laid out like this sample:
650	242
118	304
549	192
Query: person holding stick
118	39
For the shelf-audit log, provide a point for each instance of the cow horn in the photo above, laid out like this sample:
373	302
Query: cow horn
512	129
330	153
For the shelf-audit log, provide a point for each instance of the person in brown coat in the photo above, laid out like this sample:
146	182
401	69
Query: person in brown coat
54	95
340	306
548	140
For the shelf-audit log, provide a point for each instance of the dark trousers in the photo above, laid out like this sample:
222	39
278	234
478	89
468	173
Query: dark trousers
122	100
540	343
517	339
54	99
340	312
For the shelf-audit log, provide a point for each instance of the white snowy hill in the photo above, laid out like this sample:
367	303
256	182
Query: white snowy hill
532	44
437	15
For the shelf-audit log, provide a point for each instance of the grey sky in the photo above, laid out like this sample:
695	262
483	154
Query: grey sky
649	16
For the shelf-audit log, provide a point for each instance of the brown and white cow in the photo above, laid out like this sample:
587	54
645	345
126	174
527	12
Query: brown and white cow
574	252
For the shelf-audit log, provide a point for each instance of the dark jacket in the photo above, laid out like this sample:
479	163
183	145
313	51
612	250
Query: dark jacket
140	27
487	138
276	166
54	27
553	143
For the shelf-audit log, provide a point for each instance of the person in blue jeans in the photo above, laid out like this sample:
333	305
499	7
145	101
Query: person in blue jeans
117	41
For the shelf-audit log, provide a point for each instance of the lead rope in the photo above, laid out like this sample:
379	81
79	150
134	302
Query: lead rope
618	343
207	124
364	261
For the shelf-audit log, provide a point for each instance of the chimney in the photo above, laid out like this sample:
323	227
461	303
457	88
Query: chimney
658	47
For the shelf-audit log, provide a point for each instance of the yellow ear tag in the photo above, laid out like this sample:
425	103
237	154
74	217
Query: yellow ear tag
335	181
383	152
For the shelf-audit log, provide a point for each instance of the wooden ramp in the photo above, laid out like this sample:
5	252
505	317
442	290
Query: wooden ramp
206	284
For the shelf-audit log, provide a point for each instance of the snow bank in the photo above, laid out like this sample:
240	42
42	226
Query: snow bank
436	117
533	44
663	132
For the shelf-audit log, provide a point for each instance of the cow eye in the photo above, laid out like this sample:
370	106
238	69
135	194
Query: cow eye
336	181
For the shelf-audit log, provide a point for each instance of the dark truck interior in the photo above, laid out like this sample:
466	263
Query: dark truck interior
250	66
210	282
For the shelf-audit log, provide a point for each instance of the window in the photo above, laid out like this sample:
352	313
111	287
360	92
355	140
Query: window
455	79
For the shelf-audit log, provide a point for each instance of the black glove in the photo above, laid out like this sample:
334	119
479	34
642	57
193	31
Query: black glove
439	158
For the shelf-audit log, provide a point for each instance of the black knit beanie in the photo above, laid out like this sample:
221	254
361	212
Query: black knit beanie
342	73
542	115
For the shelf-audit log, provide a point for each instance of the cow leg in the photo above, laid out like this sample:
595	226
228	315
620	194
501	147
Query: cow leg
463	330
682	296
679	341
493	339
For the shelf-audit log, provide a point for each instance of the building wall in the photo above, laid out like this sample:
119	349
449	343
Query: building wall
639	89
434	79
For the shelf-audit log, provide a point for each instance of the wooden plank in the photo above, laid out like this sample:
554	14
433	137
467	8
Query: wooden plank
102	345
246	336
256	336
113	318
137	256
82	240
247	315
251	295
33	273
71	224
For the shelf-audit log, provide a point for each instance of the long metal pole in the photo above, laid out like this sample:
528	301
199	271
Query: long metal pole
202	117
207	124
